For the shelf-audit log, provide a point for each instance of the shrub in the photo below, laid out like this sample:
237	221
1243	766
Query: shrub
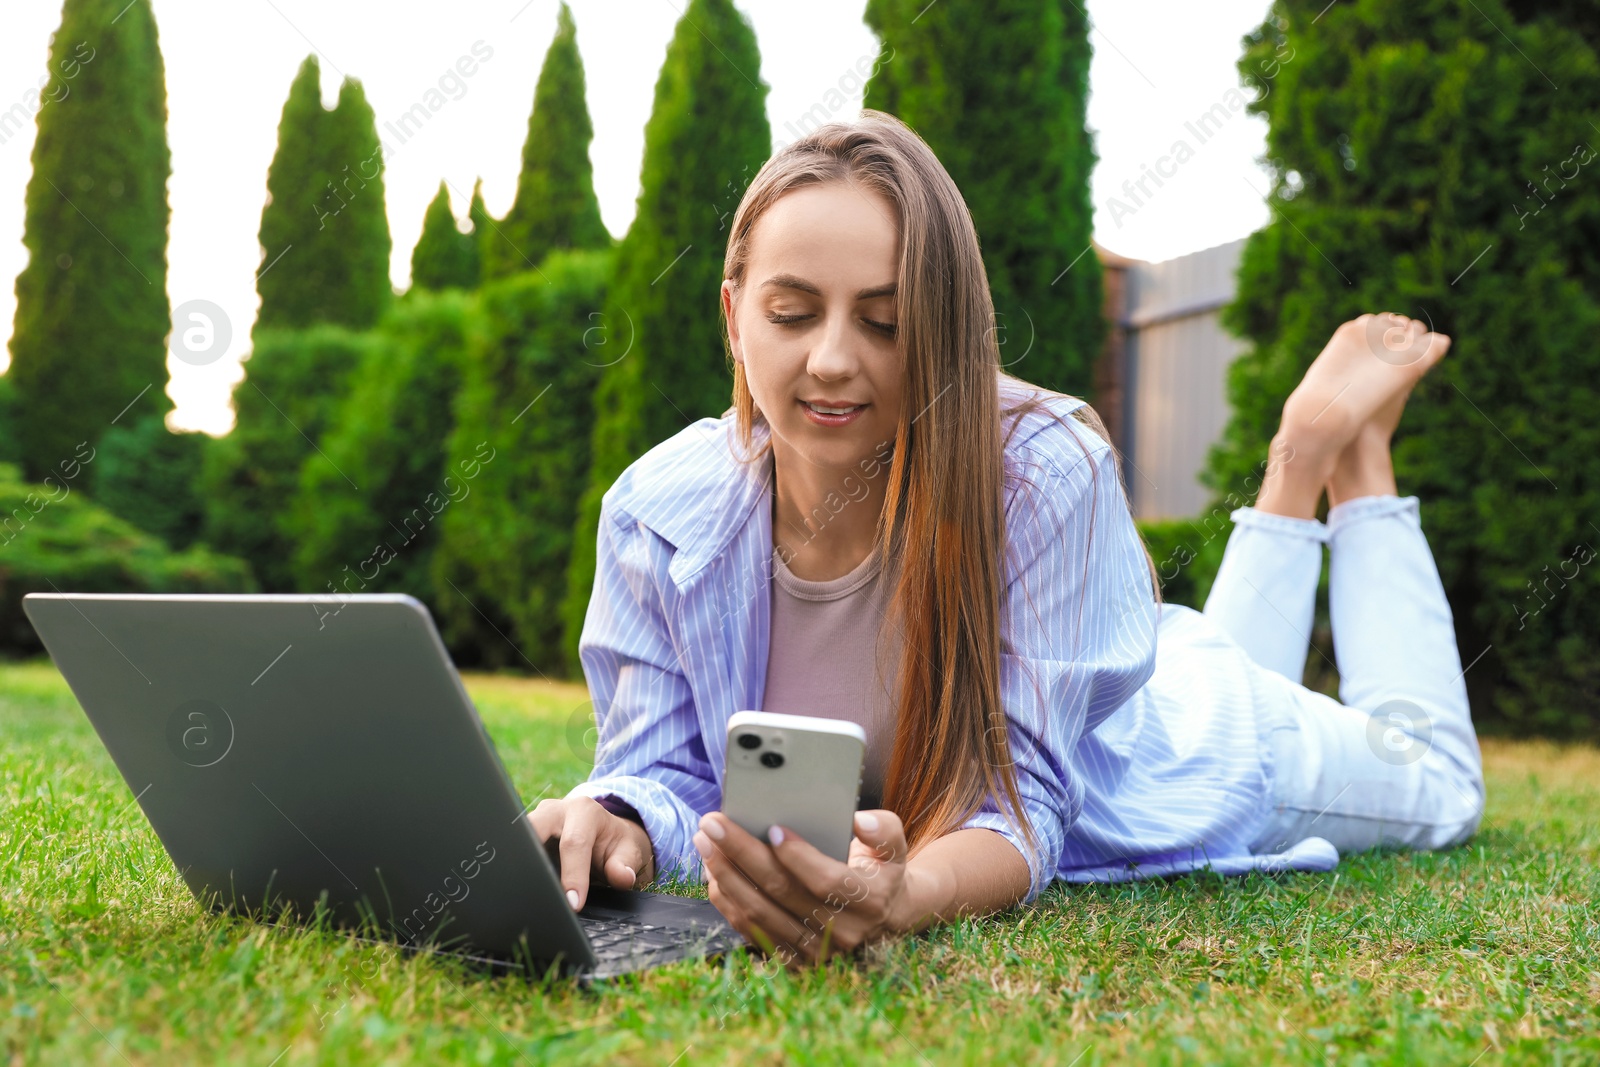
388	434
53	538
10	442
1187	553
294	381
150	476
518	461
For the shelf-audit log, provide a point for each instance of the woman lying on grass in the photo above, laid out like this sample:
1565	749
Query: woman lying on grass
952	563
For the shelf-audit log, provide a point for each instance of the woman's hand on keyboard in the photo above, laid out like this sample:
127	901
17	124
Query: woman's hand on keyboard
595	845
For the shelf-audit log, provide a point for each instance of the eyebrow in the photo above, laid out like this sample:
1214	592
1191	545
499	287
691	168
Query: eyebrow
791	281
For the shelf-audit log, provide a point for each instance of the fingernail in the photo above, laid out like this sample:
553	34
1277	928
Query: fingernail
775	835
713	828
867	821
633	875
572	898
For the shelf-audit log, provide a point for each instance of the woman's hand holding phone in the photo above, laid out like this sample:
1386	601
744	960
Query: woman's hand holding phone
594	845
799	904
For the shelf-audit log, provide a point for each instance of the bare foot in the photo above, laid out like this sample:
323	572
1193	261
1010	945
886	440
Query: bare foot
1366	370
1365	467
1356	387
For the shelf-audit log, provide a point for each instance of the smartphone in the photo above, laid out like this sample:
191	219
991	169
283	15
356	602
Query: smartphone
795	771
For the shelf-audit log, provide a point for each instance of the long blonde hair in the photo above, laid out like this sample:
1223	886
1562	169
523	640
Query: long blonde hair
944	493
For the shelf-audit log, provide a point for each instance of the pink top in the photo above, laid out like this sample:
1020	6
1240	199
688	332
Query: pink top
820	659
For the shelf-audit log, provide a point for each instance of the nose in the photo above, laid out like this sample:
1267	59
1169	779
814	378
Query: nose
834	356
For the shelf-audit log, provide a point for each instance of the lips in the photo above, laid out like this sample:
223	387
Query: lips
831	414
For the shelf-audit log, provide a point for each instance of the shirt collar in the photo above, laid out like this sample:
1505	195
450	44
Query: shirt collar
698	494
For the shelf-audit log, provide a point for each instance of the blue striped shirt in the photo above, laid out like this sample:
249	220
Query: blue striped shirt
1128	764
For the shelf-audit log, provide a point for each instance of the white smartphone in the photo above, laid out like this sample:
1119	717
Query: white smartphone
795	771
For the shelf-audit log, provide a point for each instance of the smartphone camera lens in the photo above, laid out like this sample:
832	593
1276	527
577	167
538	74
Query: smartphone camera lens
772	759
749	740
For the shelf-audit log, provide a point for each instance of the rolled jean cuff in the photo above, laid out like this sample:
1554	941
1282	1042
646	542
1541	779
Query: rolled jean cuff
1360	508
1311	529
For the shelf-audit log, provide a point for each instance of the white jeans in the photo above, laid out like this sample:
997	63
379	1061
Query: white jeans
1395	761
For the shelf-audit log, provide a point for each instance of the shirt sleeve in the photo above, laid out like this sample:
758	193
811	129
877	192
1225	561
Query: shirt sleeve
650	753
1078	637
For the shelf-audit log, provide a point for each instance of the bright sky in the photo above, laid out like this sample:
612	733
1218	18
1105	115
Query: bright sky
1158	64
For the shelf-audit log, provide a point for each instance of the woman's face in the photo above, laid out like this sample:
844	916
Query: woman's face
814	324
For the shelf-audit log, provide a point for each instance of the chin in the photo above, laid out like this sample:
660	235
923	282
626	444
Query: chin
829	447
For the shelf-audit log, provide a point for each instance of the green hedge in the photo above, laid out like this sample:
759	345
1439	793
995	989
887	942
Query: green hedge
388	435
519	460
150	476
1187	553
294	382
452	443
53	538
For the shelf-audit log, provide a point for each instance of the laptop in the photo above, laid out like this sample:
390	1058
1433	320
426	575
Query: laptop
304	755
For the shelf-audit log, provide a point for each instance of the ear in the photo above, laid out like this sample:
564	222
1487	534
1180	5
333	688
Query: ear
734	346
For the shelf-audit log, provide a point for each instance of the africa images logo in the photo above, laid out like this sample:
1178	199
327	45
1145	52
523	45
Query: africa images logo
200	733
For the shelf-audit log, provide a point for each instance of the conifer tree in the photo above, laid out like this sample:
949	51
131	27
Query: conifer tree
324	281
999	91
555	205
662	333
295	184
483	228
89	340
360	226
324	230
445	258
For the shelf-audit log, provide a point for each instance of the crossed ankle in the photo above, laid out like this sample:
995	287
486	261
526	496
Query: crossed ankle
1359	479
1291	492
1304	451
1322	435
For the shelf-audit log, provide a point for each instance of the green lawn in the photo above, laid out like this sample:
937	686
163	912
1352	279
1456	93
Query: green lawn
1485	955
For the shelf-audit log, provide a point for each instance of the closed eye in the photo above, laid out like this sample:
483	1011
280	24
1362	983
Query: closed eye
888	329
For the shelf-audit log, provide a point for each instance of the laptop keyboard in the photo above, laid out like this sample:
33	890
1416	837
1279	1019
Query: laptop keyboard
614	939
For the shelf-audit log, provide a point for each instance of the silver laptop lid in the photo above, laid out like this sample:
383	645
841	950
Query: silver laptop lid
296	748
